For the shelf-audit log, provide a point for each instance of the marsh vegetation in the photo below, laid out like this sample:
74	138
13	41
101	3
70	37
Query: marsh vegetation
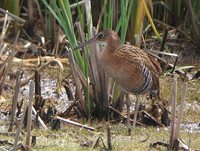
55	98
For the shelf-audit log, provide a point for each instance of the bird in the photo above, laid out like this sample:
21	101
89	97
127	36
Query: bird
132	68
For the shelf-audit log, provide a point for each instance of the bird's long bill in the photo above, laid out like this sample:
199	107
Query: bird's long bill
85	43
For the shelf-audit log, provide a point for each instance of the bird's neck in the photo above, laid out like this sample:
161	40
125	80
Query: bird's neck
113	46
106	56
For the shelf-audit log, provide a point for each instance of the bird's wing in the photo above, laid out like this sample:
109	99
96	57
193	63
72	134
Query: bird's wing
139	58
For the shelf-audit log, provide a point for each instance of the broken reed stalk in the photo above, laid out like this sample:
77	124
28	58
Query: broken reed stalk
12	15
75	123
109	138
15	100
37	83
153	118
180	114
117	112
100	139
29	120
38	97
19	128
173	112
9	62
175	64
163	42
39	119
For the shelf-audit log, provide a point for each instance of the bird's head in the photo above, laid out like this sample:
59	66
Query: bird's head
105	38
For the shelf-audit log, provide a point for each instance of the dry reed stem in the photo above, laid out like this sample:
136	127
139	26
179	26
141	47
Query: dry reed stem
3	33
163	53
29	120
83	79
80	74
97	76
74	69
15	100
19	128
153	118
109	138
75	123
33	61
9	62
163	42
173	112
81	32
180	113
176	60
39	119
13	16
117	112
4	66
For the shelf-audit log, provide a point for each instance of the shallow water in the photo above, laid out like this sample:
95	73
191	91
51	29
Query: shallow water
191	127
49	91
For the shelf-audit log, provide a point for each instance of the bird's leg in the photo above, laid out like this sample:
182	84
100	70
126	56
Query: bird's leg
136	110
128	104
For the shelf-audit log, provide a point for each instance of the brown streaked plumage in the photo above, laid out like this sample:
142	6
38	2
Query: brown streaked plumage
132	68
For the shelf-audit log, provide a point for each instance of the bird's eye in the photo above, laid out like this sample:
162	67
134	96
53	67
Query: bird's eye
100	36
